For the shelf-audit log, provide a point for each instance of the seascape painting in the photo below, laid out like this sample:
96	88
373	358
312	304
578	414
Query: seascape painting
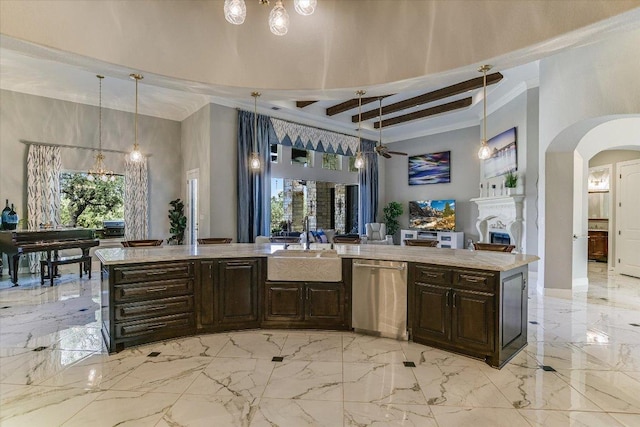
503	154
433	168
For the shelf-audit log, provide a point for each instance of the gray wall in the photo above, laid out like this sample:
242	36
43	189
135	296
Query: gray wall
40	119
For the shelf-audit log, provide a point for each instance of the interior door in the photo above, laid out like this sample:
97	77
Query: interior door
192	206
627	213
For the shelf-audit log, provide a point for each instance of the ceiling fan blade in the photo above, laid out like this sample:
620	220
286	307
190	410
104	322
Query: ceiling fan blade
398	153
386	155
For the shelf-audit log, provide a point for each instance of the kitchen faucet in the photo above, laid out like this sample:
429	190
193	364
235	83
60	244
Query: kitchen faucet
307	243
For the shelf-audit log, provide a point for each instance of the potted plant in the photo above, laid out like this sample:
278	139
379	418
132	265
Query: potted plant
511	182
177	221
391	212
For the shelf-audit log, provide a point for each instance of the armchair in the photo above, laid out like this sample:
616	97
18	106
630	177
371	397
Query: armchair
376	234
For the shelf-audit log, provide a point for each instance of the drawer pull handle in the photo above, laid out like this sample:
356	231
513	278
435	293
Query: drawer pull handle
160	307
157	273
446	297
164	288
161	325
434	275
473	279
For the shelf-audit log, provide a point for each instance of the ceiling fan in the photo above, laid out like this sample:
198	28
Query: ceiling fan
383	150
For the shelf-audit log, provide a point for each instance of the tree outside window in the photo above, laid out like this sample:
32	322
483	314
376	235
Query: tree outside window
85	203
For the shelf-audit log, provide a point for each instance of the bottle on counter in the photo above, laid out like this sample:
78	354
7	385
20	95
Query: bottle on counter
5	212
12	219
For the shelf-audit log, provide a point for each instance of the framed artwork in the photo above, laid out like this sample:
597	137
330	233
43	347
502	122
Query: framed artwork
504	156
432	168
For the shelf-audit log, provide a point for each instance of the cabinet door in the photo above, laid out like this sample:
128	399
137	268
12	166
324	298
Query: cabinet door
206	295
432	318
473	320
284	301
324	304
237	293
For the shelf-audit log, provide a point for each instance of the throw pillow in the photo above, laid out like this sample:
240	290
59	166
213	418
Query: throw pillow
321	236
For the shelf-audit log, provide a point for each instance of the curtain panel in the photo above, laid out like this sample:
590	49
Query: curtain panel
368	180
136	199
254	187
43	191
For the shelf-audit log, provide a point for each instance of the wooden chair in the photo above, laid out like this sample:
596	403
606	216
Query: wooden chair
141	243
285	239
497	247
214	240
348	240
422	242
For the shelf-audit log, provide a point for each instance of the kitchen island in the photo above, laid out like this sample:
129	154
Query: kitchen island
470	302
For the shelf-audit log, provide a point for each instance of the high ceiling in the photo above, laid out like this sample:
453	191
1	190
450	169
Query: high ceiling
39	56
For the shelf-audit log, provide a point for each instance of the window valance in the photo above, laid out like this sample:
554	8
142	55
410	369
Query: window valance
311	138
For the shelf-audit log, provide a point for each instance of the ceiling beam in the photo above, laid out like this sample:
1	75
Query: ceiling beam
350	105
302	104
442	108
436	95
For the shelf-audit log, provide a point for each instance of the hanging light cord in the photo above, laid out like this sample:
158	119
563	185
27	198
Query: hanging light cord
255	121
136	122
484	136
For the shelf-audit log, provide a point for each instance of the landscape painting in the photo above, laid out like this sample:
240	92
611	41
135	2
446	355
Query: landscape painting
503	154
433	168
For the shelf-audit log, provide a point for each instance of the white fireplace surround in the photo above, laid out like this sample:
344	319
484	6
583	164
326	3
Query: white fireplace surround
501	214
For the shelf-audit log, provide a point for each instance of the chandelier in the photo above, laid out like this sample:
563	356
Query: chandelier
235	11
99	171
485	152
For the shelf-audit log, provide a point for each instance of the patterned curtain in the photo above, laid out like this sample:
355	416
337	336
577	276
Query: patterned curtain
43	191
311	138
136	199
254	188
368	179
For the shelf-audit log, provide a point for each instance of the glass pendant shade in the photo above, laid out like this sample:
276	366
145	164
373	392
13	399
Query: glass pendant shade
235	11
254	162
279	20
305	7
359	162
484	152
135	155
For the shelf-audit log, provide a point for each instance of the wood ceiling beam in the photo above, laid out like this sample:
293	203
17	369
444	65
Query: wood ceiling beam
302	104
436	95
350	105
438	109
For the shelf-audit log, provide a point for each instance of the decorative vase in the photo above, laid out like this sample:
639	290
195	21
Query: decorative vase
511	191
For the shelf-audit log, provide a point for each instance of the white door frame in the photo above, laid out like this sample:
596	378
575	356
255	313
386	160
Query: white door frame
192	177
629	268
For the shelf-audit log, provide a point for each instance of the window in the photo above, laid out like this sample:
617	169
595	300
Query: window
302	157
85	203
331	161
275	152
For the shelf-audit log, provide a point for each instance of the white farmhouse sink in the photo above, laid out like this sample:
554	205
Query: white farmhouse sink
304	266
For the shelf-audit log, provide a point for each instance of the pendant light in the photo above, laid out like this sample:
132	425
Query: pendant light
359	162
99	171
235	11
254	161
484	152
305	7
136	155
279	19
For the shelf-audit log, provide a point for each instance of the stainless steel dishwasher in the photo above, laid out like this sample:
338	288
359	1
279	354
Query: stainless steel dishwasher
380	298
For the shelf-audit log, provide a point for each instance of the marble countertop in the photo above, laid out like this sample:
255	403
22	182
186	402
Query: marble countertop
486	260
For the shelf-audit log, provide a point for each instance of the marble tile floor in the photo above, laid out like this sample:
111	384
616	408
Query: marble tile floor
54	370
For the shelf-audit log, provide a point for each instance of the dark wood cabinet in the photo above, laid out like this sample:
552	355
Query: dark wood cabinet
305	305
475	312
598	245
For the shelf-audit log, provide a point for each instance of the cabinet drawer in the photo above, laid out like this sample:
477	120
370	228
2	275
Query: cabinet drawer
158	325
148	290
475	280
425	274
154	308
143	273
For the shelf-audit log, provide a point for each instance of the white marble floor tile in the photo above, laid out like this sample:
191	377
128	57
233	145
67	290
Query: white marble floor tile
124	408
612	391
623	357
374	414
38	406
543	418
34	367
233	377
539	389
327	348
201	345
364	348
254	345
165	374
381	383
627	420
297	413
458	386
447	416
308	380
565	356
208	411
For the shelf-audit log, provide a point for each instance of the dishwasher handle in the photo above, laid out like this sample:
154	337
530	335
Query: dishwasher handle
380	267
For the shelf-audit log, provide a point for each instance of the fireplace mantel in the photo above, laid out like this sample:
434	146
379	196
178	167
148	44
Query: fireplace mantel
501	214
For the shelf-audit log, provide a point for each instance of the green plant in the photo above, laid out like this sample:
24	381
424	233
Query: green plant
178	222
391	212
511	180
